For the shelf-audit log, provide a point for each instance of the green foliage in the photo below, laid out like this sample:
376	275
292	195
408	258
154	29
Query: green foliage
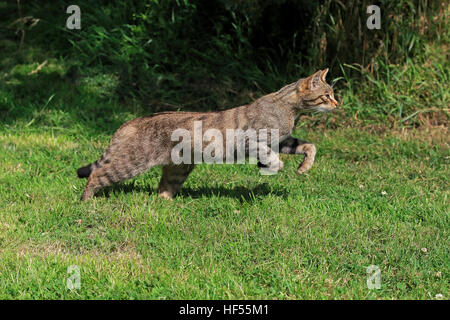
219	54
402	92
232	233
371	197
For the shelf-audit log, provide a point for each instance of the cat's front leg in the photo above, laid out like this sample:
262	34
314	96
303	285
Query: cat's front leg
269	162
292	145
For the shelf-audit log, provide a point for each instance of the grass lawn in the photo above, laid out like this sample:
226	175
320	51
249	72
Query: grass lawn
373	197
370	199
378	193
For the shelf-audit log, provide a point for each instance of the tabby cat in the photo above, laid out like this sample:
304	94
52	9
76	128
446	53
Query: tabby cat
145	142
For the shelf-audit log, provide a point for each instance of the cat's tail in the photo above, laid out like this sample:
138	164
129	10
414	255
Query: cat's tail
85	172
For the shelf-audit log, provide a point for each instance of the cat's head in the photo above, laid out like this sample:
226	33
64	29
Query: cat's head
316	94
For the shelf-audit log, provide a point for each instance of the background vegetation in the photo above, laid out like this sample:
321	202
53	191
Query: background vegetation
219	54
378	193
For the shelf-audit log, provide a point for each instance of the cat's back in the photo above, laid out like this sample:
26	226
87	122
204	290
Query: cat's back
172	120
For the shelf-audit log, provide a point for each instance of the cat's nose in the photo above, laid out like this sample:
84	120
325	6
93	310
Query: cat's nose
334	102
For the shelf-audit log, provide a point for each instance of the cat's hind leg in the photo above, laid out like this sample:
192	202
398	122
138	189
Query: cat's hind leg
173	177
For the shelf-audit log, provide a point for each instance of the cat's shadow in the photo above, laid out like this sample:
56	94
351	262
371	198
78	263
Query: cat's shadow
239	192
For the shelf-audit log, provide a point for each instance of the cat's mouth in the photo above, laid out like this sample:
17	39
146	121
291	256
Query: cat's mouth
325	107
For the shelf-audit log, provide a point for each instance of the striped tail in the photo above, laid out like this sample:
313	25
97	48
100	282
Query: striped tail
85	172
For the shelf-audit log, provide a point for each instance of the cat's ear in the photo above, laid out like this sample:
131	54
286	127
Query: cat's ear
323	75
314	80
310	83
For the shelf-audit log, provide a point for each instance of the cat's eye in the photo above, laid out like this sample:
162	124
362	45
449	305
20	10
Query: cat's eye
328	96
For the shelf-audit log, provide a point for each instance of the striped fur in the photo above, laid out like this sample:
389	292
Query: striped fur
145	142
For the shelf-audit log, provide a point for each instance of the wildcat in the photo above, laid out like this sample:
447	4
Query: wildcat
145	142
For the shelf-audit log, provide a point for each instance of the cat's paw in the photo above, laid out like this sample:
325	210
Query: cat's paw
270	169
304	167
166	195
309	150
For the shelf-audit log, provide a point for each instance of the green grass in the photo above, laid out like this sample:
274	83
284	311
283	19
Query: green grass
370	199
378	193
